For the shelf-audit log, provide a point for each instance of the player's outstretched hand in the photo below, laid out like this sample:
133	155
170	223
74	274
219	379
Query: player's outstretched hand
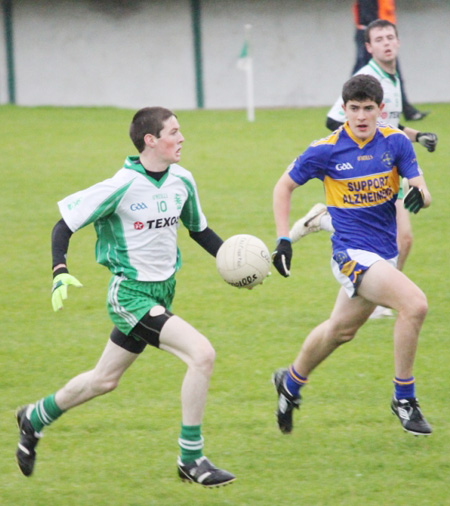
414	200
59	289
428	140
282	256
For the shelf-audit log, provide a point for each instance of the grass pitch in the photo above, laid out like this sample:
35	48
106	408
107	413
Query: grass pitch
120	450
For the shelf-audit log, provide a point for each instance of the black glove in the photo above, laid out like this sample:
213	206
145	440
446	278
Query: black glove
282	255
428	140
414	200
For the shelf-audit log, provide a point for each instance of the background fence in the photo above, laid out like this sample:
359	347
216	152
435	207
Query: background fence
182	53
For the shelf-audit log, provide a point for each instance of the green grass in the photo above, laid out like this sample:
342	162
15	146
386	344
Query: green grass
120	450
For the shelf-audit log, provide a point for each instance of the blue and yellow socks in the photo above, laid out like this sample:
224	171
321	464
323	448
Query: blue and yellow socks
404	388
294	381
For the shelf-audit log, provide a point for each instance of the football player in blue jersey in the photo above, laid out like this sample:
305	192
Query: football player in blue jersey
360	165
383	44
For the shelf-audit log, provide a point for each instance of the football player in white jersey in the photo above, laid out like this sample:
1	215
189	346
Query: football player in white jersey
136	215
383	44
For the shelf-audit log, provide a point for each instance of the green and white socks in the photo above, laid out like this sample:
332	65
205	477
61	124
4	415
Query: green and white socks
190	443
44	413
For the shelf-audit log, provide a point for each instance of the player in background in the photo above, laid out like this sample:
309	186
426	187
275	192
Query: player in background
359	165
364	12
382	44
136	215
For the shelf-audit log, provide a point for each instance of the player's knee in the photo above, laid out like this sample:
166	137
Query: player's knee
204	358
344	337
419	306
109	386
101	385
416	307
341	335
423	305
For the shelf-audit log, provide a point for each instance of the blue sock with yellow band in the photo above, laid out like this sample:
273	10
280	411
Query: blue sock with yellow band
404	388
294	381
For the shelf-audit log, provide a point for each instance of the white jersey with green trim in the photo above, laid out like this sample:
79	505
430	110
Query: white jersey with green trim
392	98
136	219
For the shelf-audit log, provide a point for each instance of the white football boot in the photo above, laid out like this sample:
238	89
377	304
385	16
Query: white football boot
381	312
309	223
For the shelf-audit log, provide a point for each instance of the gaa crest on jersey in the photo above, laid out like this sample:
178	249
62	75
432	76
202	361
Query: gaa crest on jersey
138	206
387	159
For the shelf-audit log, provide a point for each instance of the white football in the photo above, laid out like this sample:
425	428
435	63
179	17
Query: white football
243	261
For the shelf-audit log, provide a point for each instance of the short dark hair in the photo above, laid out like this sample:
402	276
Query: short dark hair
378	23
148	120
362	87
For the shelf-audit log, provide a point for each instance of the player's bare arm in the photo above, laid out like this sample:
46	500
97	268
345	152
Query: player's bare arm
282	203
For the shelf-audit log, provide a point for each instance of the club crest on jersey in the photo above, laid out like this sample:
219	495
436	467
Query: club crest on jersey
387	159
73	204
178	201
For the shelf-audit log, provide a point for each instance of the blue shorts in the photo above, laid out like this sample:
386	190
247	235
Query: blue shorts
349	266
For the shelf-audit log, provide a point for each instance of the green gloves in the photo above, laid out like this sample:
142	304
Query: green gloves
59	289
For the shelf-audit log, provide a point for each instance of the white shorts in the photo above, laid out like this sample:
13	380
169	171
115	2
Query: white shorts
349	266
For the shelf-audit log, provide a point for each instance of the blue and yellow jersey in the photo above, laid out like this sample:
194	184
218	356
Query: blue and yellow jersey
361	182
